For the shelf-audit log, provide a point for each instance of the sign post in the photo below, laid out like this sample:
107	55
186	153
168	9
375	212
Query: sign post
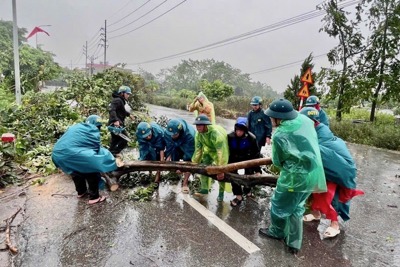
304	92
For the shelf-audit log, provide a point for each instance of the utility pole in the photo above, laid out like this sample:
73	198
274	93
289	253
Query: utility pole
16	55
104	43
85	47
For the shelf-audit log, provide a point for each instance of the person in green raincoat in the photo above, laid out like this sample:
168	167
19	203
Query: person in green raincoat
295	152
211	147
201	105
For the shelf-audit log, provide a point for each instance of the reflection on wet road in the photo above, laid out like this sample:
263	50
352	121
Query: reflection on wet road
169	232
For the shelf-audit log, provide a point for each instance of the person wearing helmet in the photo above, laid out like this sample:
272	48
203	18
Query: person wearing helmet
242	146
151	141
295	152
313	101
340	173
211	148
259	123
201	105
179	139
79	154
118	113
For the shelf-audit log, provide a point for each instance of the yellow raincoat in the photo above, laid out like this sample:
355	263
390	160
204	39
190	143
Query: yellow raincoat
206	108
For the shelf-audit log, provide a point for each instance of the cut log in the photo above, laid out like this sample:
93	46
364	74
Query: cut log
211	171
250	180
111	182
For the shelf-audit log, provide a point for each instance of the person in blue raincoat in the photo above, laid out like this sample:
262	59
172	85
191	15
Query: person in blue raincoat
179	139
211	148
340	172
295	152
150	137
79	153
259	123
242	146
313	101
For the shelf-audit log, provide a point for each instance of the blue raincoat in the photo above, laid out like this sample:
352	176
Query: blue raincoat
260	125
150	149
79	150
323	118
339	165
183	145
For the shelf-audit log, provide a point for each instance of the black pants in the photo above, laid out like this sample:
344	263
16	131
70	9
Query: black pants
92	180
117	143
237	188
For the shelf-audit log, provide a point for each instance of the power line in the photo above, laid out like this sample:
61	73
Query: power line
285	65
116	12
126	25
169	10
130	13
266	29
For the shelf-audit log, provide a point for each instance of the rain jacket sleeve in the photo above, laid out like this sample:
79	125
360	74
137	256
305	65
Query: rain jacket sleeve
338	163
296	152
323	117
148	149
185	143
79	150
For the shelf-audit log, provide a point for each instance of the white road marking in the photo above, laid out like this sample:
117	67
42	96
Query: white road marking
221	225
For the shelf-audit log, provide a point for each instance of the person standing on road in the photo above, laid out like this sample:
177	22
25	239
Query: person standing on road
259	123
179	139
313	101
242	146
118	113
151	141
340	172
211	148
295	152
79	153
201	105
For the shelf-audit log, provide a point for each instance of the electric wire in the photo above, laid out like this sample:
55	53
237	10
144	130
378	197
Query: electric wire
285	65
116	12
169	10
148	12
266	29
110	25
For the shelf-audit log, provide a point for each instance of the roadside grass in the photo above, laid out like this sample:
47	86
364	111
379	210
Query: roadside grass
354	127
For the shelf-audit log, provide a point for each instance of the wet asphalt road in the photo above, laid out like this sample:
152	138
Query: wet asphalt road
64	231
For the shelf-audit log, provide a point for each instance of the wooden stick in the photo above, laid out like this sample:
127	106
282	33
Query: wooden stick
211	171
9	221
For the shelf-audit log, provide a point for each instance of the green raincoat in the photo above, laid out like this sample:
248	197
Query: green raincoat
212	148
295	151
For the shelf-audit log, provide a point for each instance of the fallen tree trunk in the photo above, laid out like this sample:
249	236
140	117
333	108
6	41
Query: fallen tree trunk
211	171
111	182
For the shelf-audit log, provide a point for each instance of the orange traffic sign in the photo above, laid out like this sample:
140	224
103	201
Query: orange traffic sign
307	77
304	92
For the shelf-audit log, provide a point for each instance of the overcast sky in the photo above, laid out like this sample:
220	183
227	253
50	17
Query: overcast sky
192	24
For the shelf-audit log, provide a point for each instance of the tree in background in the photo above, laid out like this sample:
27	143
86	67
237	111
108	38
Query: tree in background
379	66
35	64
295	84
189	73
216	90
337	25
